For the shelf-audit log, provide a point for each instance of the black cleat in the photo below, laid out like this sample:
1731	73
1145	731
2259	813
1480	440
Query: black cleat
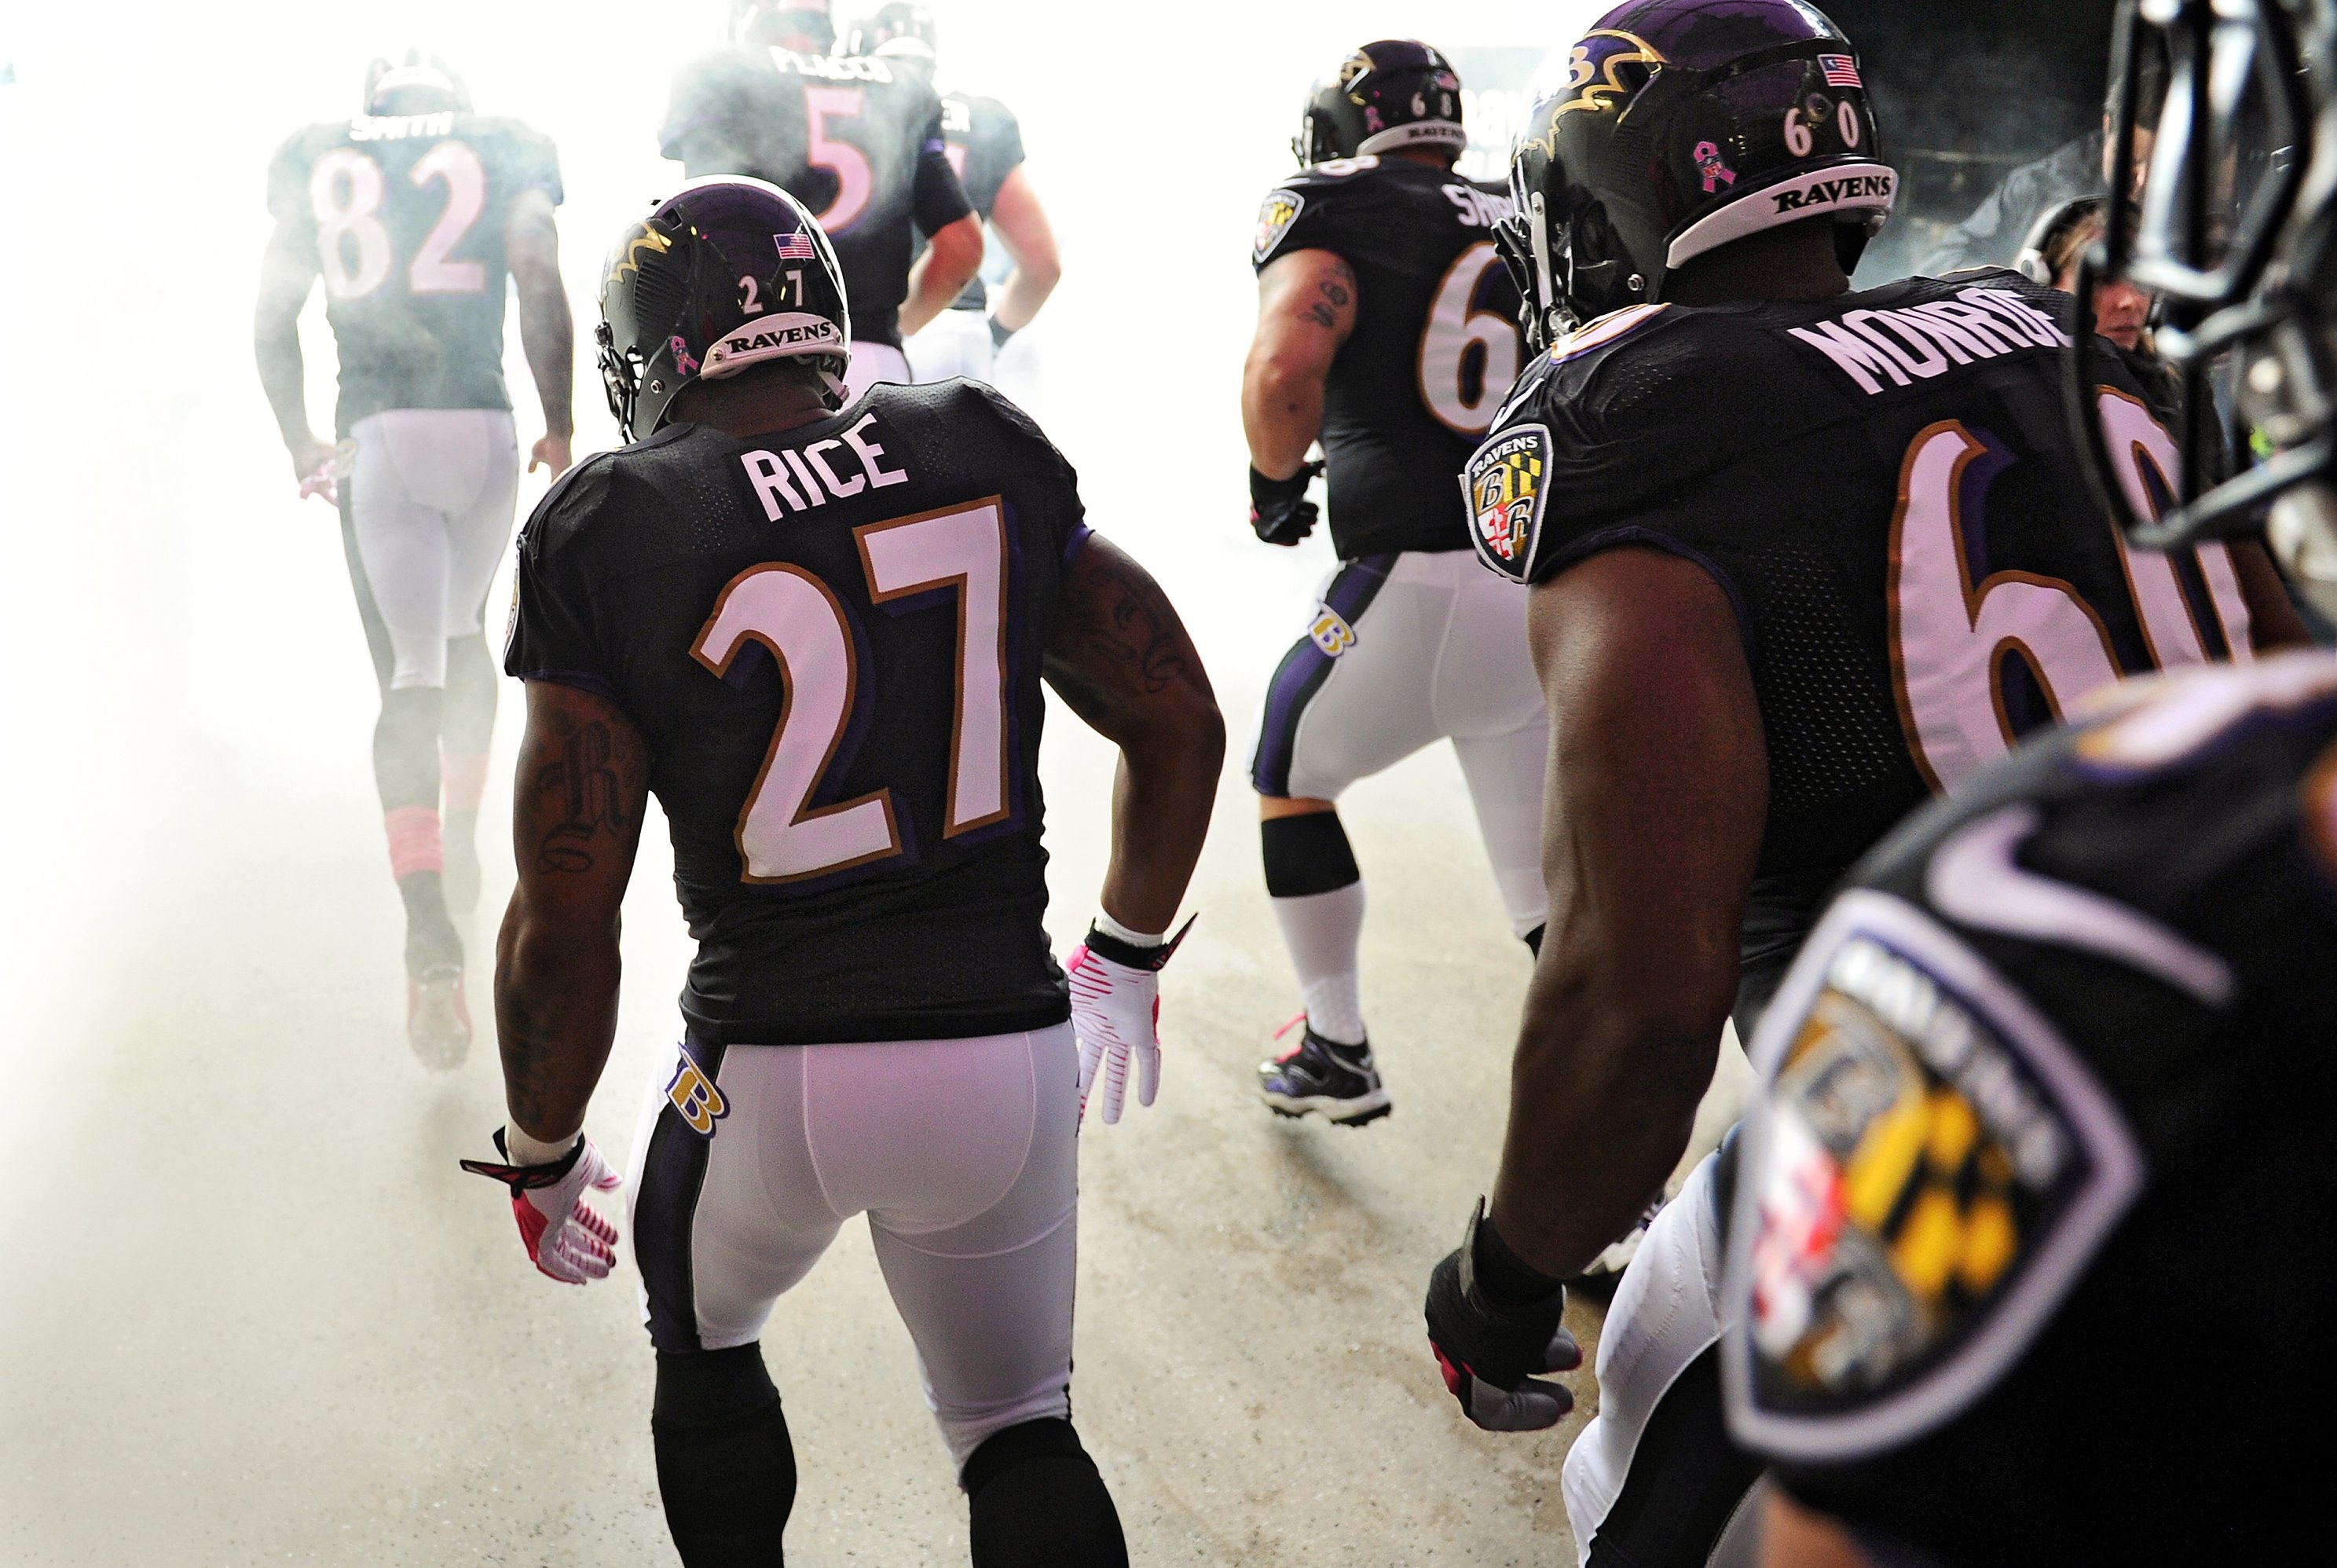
1337	1082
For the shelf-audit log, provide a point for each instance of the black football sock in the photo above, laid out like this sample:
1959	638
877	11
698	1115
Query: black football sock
1533	938
431	939
725	1467
472	685
406	747
1038	1502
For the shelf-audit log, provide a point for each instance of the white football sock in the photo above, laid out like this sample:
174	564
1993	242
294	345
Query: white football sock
1324	932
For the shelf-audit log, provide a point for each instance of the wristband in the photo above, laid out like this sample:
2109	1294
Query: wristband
999	332
1283	492
1128	933
1497	1273
1104	945
520	1175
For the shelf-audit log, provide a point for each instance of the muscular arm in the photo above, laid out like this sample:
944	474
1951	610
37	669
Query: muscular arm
1122	661
1650	833
583	784
2273	621
942	273
287	270
1306	309
546	330
1023	228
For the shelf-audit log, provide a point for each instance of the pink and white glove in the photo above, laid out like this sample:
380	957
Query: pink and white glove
565	1239
1116	1014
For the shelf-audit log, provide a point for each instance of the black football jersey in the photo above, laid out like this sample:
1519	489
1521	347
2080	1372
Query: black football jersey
831	638
408	213
2032	1253
1886	485
985	145
853	138
1435	342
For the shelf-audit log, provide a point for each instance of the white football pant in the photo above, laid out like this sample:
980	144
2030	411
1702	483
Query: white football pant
430	500
1401	650
963	1153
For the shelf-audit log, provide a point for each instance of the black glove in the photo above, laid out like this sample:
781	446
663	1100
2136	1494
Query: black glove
1279	512
1490	1348
999	333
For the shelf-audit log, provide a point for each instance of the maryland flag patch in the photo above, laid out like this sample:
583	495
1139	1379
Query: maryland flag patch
1929	1174
1503	486
1275	216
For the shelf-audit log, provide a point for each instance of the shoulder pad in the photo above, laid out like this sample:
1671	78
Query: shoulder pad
1603	332
569	505
1309	193
1507	482
1928	1172
2137	730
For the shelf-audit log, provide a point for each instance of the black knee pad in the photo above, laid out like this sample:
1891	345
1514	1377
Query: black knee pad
1038	1502
725	1467
406	747
1306	855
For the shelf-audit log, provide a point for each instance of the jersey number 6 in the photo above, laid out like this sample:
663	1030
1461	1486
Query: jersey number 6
961	550
1468	356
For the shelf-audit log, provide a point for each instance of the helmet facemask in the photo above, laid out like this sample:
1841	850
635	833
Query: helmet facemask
2227	232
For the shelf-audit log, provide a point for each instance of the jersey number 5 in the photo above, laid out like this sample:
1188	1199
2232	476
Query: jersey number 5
1950	637
959	551
855	181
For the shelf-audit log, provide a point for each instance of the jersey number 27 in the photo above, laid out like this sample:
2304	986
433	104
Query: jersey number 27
961	550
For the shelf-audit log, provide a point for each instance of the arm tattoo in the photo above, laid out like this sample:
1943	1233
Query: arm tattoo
529	1042
1120	640
594	797
1333	294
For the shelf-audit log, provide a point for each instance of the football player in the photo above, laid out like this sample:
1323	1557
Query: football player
986	148
854	139
413	213
1802	558
1385	329
818	638
2067	1034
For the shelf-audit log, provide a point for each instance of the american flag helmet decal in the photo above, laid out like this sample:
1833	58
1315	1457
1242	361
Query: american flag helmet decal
1840	71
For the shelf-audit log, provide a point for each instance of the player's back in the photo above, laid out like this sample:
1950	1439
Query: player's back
2091	997
844	135
1434	344
409	214
984	142
1886	485
831	638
